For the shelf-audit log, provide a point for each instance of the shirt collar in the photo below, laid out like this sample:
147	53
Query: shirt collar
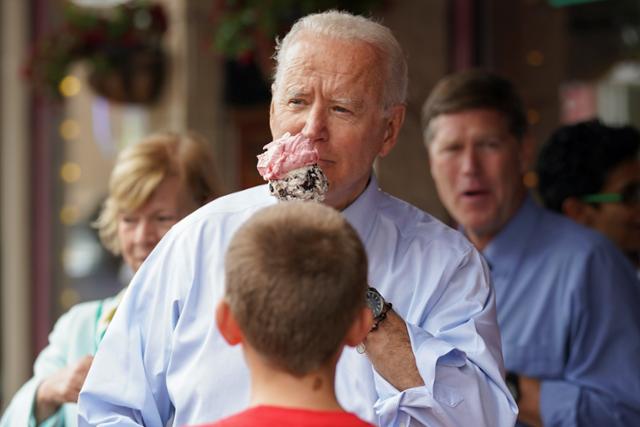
361	213
509	244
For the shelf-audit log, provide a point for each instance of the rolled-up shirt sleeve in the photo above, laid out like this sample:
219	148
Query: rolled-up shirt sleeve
457	352
396	407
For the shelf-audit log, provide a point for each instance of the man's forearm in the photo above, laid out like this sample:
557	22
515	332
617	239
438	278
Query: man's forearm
389	350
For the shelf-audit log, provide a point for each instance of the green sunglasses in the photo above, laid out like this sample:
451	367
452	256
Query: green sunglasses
630	195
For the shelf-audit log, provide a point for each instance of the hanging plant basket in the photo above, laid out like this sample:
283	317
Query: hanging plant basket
245	30
121	45
131	76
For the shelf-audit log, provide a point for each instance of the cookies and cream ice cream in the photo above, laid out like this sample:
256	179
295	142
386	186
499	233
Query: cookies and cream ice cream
290	164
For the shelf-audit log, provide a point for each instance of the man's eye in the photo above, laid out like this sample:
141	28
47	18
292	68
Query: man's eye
166	218
341	110
296	101
491	144
451	148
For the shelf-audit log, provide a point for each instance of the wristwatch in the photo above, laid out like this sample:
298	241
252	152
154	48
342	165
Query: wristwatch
378	306
513	384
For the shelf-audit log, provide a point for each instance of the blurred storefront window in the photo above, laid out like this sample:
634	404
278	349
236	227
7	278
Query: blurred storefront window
93	131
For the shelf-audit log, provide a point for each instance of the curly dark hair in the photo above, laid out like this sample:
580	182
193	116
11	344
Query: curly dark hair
577	159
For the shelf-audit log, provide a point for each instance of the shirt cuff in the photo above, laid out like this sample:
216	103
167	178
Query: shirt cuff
559	403
388	410
429	352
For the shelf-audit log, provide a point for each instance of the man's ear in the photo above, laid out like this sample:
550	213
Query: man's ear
227	324
271	110
392	130
360	327
577	210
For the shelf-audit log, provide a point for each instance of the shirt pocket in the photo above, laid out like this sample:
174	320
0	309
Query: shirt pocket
447	395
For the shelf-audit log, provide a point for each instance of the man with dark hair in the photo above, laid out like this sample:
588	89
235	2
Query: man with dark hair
590	172
566	297
296	279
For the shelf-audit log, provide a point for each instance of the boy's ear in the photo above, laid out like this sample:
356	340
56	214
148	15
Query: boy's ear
227	324
360	327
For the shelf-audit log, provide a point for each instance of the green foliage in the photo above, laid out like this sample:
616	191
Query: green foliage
99	36
239	24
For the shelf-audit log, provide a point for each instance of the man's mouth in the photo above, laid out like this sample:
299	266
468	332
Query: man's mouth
474	194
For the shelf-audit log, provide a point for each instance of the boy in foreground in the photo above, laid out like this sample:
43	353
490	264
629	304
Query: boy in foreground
296	278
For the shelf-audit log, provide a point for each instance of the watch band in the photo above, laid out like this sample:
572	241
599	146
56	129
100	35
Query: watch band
376	320
513	384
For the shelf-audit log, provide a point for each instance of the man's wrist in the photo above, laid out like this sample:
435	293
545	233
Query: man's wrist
382	316
378	305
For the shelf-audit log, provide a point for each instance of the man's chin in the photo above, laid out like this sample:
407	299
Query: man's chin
479	226
331	200
338	201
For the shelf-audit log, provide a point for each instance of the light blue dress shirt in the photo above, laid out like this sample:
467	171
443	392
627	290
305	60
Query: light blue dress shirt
569	312
163	357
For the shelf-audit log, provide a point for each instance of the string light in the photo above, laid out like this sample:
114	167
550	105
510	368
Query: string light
533	116
530	179
535	58
70	172
69	129
70	86
69	214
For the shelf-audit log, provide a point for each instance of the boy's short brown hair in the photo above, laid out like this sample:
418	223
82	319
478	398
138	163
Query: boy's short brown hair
296	275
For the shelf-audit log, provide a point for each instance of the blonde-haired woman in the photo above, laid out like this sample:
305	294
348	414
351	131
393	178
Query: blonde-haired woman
153	185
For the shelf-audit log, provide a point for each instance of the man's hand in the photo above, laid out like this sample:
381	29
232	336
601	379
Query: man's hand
62	387
389	350
529	403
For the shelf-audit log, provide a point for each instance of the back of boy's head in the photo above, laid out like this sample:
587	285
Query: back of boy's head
296	275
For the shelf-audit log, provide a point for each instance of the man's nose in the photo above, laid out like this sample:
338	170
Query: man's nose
315	126
470	161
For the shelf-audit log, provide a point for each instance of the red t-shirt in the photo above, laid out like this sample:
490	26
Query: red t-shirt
275	416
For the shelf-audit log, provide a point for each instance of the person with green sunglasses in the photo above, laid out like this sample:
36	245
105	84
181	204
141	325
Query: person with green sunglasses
590	172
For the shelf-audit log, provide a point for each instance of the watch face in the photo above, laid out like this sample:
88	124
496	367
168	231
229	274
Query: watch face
375	302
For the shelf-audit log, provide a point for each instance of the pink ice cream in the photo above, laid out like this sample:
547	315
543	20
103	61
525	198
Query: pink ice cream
285	154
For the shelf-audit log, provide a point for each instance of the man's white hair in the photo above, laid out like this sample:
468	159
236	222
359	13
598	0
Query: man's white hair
345	26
